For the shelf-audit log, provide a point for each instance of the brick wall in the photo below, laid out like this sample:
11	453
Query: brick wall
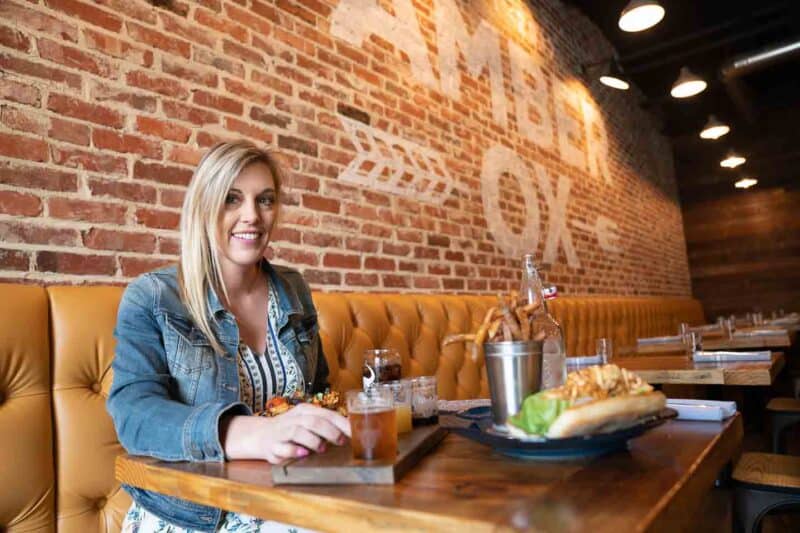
481	135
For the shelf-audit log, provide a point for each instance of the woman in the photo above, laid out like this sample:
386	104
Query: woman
201	347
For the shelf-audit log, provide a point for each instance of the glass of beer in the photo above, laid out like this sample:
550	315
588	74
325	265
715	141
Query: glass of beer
424	398
380	366
401	394
372	424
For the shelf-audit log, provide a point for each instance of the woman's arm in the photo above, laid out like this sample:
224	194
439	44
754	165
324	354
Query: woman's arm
148	421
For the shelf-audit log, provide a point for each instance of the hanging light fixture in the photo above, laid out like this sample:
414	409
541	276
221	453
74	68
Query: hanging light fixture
612	76
639	15
687	84
732	160
714	129
745	183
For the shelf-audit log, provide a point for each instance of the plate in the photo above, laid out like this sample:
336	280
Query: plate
479	427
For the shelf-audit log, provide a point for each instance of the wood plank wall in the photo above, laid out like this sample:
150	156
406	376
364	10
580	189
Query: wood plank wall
744	249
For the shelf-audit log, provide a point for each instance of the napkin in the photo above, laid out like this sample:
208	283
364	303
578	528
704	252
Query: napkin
724	357
701	409
757	333
660	340
585	360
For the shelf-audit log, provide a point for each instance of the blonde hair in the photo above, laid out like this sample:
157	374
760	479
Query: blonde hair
199	266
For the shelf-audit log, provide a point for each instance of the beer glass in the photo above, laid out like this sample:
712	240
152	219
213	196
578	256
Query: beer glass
401	395
373	424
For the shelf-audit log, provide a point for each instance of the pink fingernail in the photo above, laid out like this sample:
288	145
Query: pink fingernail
302	452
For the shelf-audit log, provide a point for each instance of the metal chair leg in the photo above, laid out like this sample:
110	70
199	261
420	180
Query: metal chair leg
780	422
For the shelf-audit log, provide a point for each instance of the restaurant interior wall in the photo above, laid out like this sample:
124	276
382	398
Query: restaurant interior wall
429	144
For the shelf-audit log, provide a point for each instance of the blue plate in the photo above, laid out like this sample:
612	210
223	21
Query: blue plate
476	424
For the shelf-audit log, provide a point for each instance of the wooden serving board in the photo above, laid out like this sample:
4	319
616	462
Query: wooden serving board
337	467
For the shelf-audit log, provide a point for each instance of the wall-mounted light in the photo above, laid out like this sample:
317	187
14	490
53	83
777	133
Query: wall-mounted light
745	183
732	160
714	129
612	76
639	15
687	84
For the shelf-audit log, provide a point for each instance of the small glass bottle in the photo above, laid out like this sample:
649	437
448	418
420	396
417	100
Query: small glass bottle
554	362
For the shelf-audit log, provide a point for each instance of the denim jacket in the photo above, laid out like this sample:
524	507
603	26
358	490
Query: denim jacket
170	389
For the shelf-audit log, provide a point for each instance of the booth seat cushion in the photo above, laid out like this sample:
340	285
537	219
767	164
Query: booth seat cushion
82	324
27	495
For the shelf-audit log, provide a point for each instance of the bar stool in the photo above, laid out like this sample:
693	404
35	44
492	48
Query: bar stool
763	482
784	412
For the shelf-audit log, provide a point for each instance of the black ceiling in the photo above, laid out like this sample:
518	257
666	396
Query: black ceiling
762	105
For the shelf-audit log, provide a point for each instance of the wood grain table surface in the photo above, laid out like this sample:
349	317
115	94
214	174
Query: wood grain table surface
679	369
656	485
781	339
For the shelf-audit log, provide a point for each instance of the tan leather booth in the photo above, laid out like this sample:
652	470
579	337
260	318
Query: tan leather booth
57	443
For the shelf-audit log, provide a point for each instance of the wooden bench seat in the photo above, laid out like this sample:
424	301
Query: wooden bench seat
764	482
769	469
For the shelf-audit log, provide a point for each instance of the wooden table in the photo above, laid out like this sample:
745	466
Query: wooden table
679	369
781	339
657	485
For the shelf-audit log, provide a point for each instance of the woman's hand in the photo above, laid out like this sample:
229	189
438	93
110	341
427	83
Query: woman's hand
289	435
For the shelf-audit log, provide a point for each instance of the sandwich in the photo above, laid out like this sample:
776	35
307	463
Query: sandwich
597	399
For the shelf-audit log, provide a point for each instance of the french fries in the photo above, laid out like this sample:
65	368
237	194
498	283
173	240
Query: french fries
509	320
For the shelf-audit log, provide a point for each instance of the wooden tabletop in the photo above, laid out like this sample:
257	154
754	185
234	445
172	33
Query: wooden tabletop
657	485
781	339
675	369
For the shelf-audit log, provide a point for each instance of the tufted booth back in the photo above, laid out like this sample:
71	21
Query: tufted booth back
57	443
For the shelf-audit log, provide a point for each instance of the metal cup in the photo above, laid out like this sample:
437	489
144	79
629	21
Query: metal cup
515	371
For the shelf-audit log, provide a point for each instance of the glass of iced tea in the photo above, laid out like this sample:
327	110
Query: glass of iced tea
380	366
401	394
372	424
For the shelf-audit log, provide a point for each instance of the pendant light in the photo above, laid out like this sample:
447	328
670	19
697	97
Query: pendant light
687	84
639	15
714	129
745	183
732	160
612	76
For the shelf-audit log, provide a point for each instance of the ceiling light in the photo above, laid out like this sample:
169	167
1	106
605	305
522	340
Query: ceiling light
687	84
612	76
732	160
639	15
714	129
745	183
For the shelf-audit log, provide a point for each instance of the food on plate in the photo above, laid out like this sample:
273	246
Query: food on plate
596	399
280	404
509	320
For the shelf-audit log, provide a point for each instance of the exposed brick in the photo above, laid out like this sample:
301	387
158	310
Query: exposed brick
126	143
160	128
322	240
195	115
159	84
68	131
103	93
123	190
248	130
69	263
379	263
396	281
20	147
72	57
17	203
453	284
190	32
427	282
272	82
214	101
72	107
270	119
96	162
21	120
14	259
439	240
172	198
250	92
74	209
391	248
297	257
356	279
221	24
361	245
38	21
31	233
88	13
118	48
214	59
37	70
169	246
134	266
190	73
298	145
335	260
12	38
37	178
246	17
320	203
19	92
244	53
156	218
143	12
184	155
158	40
439	269
103	239
322	277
